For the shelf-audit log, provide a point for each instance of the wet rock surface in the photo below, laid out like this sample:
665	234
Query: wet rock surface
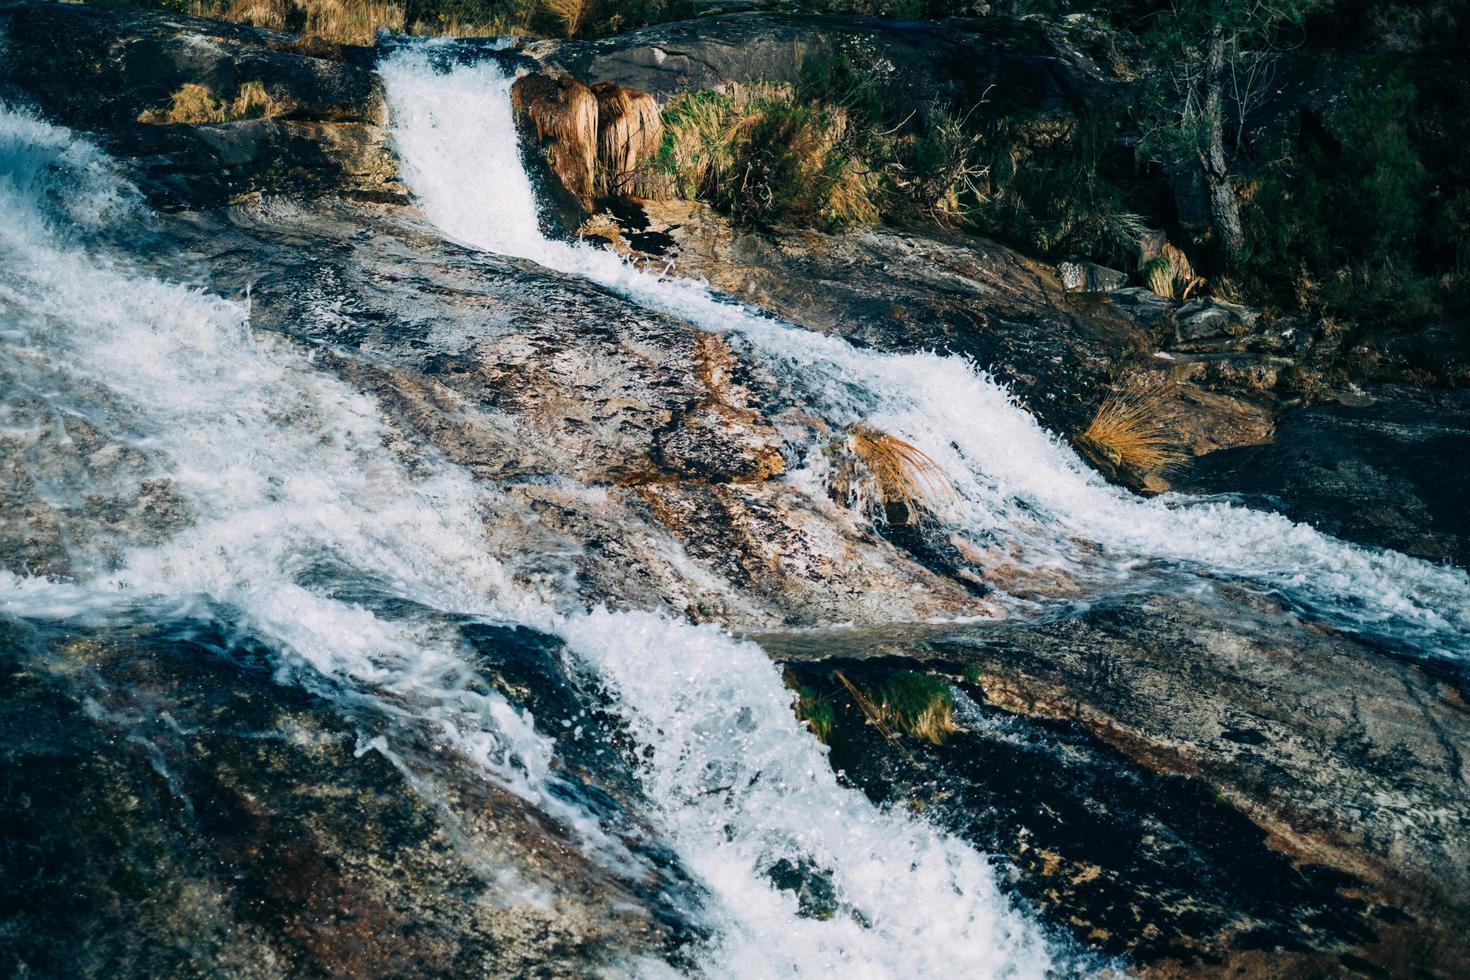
1390	472
917	289
1291	801
170	808
1199	784
631	443
103	69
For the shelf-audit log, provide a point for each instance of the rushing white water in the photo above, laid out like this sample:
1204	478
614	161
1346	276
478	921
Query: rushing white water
283	466
285	472
1019	489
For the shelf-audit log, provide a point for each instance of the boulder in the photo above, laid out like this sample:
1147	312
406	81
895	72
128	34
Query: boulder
1389	473
1081	276
1017	61
1211	320
289	116
1347	760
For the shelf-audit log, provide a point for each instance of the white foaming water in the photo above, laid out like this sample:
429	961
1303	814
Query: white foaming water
283	466
286	471
1019	489
740	788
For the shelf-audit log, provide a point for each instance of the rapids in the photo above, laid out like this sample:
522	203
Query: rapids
1018	487
294	495
364	575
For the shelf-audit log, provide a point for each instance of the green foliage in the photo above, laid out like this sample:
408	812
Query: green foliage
817	712
918	704
1060	184
1339	229
762	155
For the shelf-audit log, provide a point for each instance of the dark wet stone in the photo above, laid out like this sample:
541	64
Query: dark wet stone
1131	863
1391	473
100	68
1324	806
169	808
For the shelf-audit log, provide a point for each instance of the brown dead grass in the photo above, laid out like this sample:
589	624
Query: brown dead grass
347	21
568	13
1169	273
884	471
192	103
563	113
254	102
1136	427
196	104
629	131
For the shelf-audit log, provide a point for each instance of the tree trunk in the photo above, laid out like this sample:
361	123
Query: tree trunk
1224	209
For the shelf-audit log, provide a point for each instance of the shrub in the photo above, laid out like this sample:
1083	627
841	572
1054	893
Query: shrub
1135	427
1058	184
1361	263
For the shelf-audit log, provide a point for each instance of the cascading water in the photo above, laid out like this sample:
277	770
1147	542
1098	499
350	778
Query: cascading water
1018	487
290	488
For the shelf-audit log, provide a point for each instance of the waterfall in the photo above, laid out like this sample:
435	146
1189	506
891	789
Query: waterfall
1019	489
290	489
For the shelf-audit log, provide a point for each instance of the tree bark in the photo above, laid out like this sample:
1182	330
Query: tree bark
1224	209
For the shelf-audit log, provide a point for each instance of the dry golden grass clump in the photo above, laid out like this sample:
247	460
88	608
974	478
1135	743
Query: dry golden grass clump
629	131
340	21
761	153
197	104
1136	427
1168	272
883	473
568	13
563	112
192	103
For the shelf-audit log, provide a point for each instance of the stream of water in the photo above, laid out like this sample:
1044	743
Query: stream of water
1018	487
282	470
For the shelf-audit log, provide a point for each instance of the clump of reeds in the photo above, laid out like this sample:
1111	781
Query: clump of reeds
197	104
916	704
817	712
629	133
1168	273
1136	427
762	154
568	13
254	102
921	705
881	473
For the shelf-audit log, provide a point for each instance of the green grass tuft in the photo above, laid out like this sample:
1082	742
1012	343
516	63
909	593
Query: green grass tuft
919	704
817	712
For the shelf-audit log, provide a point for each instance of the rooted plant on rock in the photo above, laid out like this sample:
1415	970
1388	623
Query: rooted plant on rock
1135	428
882	474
